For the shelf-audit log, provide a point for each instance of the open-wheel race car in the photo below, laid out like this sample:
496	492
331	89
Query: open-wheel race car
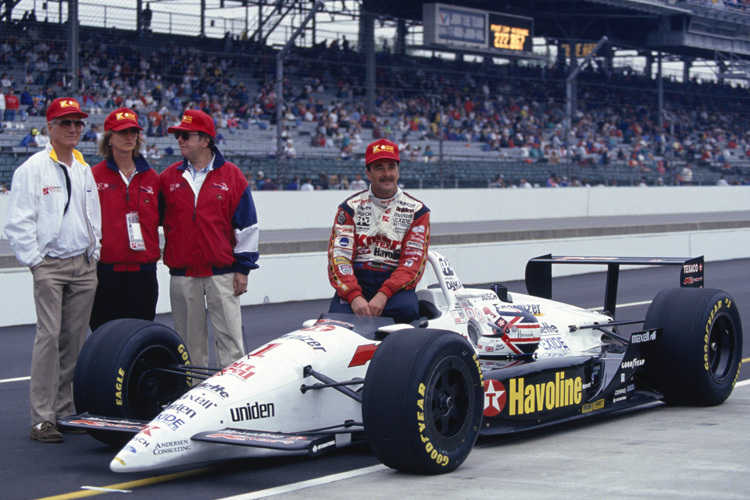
478	361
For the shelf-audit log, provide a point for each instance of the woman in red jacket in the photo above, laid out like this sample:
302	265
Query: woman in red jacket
128	192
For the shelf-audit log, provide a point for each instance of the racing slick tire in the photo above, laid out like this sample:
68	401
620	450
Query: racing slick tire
114	374
422	401
697	357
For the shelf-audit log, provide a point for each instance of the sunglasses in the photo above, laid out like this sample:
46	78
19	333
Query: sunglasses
68	123
185	135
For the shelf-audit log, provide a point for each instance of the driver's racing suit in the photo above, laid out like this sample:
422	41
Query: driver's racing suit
379	245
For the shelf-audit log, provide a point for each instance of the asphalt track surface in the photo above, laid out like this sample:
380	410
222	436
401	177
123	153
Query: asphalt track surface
652	452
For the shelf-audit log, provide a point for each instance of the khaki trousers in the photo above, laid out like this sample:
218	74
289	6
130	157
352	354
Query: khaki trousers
195	298
64	295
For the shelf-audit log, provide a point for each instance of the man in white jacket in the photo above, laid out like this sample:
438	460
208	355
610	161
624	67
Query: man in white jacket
54	227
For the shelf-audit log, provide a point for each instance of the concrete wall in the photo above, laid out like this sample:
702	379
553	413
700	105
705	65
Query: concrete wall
302	276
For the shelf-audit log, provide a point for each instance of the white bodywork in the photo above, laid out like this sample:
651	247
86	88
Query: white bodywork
262	390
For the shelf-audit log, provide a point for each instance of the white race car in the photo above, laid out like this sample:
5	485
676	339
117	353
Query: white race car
479	360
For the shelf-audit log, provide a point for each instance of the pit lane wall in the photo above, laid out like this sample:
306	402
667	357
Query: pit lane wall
302	276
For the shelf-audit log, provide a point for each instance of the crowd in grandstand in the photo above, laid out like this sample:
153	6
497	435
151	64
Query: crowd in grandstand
496	108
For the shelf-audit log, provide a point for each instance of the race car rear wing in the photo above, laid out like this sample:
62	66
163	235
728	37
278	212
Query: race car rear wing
539	273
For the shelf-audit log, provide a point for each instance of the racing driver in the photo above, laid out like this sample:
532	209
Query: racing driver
378	247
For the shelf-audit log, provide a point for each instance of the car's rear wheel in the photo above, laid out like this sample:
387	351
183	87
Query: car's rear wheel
697	358
422	401
117	372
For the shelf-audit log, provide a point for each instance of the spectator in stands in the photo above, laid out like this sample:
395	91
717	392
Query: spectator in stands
293	185
307	185
130	239
358	183
524	184
42	139
57	236
211	230
12	105
91	134
2	105
381	281
29	140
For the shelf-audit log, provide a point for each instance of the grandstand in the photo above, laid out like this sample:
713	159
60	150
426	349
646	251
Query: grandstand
482	116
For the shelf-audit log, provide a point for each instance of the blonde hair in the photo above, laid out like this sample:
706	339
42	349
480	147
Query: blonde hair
105	148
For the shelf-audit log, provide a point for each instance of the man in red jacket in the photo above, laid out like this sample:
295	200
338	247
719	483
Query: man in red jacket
211	232
378	247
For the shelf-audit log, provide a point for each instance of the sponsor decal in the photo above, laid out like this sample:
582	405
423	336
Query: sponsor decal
495	397
223	186
380	240
453	284
263	350
345	324
340	252
553	344
635	363
215	388
149	429
408	263
252	412
534	309
346	270
175	185
182	409
199	400
459	316
691	281
343	242
125	116
310	341
240	369
130	449
172	447
103	186
51	189
387	254
146	189
172	422
187	119
318	447
526	399
142	441
429	448
620	392
363	354
69	104
118	386
641	337
692	268
548	329
596	405
382	148
341	217
418	229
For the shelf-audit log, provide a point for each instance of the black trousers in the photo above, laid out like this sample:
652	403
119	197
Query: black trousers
124	294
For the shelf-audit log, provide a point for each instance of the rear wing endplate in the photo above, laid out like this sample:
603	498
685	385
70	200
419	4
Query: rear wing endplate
539	273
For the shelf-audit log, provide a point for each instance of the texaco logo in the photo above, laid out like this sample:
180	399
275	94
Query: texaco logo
495	396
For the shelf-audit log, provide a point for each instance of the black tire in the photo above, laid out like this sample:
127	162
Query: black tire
697	358
114	375
422	401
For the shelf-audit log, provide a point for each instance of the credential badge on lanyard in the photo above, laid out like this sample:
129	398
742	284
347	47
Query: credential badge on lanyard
134	232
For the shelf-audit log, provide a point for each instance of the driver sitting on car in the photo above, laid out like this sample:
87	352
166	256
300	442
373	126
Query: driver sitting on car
378	247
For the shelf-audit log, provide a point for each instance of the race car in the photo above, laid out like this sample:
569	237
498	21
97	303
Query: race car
478	361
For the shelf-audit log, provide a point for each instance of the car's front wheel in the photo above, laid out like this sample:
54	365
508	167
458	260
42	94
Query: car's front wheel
422	401
119	372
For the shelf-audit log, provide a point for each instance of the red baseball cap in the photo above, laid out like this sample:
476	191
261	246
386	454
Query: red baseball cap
194	120
381	149
64	106
121	119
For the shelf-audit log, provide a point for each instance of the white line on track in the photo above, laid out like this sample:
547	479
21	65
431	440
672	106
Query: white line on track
17	379
280	490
